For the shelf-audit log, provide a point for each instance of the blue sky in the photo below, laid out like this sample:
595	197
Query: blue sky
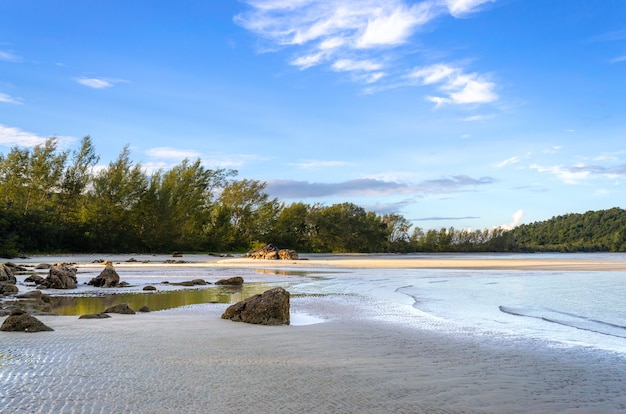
464	113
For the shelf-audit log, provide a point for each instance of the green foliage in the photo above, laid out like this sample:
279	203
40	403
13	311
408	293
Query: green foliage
603	230
52	201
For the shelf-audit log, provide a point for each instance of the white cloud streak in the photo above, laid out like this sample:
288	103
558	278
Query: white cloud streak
364	37
4	98
9	56
98	83
11	136
172	153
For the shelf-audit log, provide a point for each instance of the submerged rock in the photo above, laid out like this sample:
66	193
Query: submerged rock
232	281
269	308
120	308
94	316
20	321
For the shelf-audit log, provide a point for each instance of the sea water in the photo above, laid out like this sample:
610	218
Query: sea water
562	308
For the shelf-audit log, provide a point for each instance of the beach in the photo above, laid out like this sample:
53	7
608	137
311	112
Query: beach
363	358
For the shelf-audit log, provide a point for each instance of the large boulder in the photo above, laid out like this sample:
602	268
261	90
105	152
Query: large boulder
107	278
269	308
268	251
61	277
6	275
20	321
231	281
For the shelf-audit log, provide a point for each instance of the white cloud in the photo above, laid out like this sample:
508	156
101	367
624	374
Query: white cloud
11	136
356	65
311	164
474	118
619	59
459	8
9	57
4	98
512	160
356	35
98	83
172	153
517	219
567	175
459	87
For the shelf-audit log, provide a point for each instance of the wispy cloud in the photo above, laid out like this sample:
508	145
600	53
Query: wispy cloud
9	56
11	136
577	173
362	37
445	218
372	187
479	117
619	59
172	153
508	161
4	98
458	87
313	164
99	83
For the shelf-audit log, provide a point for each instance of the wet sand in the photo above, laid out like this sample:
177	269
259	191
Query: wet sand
188	360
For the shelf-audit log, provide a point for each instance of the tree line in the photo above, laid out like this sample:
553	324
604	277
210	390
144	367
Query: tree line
60	201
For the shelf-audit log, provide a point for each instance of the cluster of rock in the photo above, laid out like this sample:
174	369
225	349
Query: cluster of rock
268	308
121	308
7	281
271	252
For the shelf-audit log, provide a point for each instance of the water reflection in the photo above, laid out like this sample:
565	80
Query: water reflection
80	305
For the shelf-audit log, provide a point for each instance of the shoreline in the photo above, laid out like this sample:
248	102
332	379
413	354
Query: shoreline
189	360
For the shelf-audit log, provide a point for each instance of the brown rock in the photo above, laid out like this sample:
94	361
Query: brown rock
6	274
61	277
232	281
149	287
120	308
107	278
269	308
20	321
8	289
94	316
286	254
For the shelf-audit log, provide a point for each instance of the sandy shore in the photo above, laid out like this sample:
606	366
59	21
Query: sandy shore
188	360
191	361
443	262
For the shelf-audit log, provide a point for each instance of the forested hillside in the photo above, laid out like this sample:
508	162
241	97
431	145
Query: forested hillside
603	230
57	201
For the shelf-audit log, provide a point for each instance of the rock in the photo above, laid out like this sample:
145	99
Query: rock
6	274
124	284
106	279
121	308
149	287
43	266
131	260
36	279
8	289
94	316
269	308
232	281
144	309
20	321
177	254
268	251
286	254
200	282
15	268
61	277
34	294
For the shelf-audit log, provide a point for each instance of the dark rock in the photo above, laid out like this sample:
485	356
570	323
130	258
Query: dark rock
8	289
61	277
269	308
121	308
6	274
20	321
149	287
106	279
200	282
36	279
177	254
43	266
124	284
131	260
94	316
15	268
144	308
232	281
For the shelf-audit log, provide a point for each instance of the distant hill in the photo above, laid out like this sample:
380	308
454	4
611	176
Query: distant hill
593	231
